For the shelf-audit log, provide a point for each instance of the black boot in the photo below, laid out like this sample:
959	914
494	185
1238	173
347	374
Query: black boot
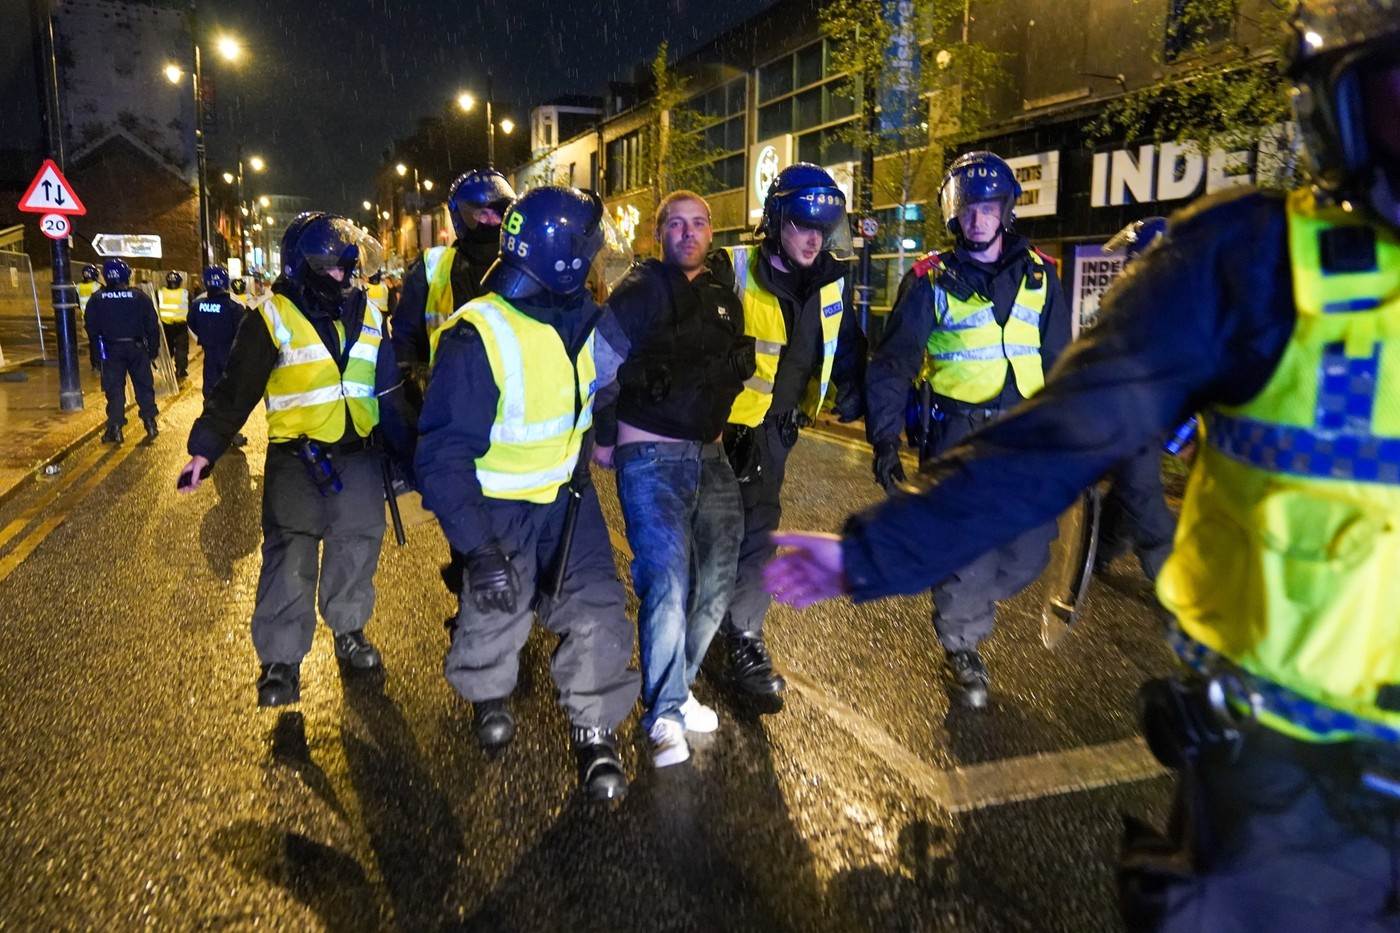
151	429
600	771
752	668
354	650
494	723
970	676
279	684
113	434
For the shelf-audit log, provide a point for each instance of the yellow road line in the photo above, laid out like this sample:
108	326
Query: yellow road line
71	474
36	537
859	447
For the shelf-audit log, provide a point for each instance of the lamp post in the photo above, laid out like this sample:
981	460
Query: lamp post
466	102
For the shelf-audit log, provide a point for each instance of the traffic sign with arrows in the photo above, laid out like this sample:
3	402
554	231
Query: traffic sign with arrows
131	245
50	193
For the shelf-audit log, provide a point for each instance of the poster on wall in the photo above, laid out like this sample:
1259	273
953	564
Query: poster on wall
1094	272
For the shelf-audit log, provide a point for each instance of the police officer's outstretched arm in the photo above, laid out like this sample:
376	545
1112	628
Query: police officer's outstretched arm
1172	336
250	362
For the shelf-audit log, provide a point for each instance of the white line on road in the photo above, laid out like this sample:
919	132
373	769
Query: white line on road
992	783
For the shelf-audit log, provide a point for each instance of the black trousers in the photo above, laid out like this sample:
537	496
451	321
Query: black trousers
177	339
762	511
215	361
964	605
318	552
596	687
1283	839
1136	515
122	360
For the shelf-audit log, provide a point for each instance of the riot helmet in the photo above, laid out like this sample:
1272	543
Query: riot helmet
1344	60
552	238
215	277
174	280
89	273
974	178
474	190
239	287
320	253
1134	239
807	197
116	272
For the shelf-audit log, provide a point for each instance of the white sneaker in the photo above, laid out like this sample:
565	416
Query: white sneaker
697	716
668	743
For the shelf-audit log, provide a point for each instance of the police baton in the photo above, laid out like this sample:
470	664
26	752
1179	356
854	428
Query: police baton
393	500
925	417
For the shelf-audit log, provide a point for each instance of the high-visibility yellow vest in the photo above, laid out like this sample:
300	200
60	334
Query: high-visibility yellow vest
763	321
378	295
968	350
437	266
174	305
1287	552
307	394
85	291
545	404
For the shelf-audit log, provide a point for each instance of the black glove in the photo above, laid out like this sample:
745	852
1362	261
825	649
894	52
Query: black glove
492	579
742	357
801	419
888	469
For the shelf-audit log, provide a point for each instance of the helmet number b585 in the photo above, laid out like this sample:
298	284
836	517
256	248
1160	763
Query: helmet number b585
514	222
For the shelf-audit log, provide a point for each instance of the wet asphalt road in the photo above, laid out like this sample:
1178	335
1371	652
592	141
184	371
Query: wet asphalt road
140	785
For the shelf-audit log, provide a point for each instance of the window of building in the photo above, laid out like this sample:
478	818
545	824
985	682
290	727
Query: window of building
803	93
626	170
722	113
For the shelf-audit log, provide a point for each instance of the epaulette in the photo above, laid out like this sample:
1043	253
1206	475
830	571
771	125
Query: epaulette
931	261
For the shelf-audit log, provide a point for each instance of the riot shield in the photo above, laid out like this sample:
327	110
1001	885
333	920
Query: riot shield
1071	567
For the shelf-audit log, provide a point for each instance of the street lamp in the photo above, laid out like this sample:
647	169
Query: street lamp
228	178
366	205
174	73
264	201
257	164
229	47
427	184
507	126
401	169
466	102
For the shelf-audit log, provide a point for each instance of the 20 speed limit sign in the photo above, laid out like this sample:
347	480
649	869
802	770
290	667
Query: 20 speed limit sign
55	226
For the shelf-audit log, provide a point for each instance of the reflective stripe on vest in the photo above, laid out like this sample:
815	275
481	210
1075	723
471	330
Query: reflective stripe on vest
763	320
536	436
307	394
437	267
1289	537
174	305
968	350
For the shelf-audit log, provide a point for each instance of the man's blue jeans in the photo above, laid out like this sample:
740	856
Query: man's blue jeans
685	520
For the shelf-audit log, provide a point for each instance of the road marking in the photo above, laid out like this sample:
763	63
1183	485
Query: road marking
827	437
27	544
992	783
71	474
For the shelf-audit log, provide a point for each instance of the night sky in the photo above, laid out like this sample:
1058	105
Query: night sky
329	85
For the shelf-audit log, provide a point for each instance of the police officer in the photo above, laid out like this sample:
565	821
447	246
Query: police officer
174	313
214	322
239	288
503	424
447	277
1277	315
792	288
87	287
314	354
1135	513
123	340
981	324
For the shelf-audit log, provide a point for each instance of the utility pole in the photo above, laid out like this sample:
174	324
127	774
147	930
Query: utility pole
65	293
490	125
206	257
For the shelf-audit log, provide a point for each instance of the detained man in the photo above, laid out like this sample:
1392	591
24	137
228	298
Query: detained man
688	361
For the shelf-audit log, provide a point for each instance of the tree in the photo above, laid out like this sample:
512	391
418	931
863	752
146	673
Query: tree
674	154
920	85
1222	86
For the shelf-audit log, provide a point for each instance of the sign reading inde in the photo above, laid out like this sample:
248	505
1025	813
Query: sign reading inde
50	193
